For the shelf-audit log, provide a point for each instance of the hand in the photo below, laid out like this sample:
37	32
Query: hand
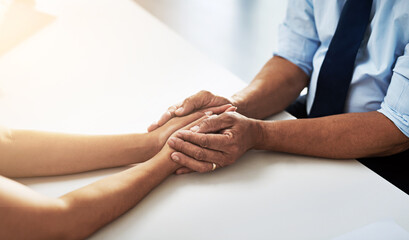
190	121
199	101
218	139
160	135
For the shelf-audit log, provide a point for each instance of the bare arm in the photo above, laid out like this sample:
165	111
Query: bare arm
27	215
25	153
275	87
351	135
32	153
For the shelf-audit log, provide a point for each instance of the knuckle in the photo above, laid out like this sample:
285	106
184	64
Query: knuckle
187	101
205	124
179	145
200	155
229	117
229	136
203	141
205	92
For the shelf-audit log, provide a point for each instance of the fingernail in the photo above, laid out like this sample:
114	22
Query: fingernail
194	129
208	113
175	157
179	110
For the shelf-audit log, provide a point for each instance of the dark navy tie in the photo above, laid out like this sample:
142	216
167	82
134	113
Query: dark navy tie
338	65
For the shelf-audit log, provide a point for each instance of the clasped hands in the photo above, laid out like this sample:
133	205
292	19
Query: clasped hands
217	139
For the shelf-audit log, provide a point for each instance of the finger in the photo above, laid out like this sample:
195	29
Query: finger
196	152
165	118
209	141
218	109
183	170
214	124
153	126
231	109
186	161
173	108
199	118
195	102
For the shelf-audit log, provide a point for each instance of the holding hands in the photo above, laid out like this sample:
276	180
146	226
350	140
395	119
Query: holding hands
217	141
199	101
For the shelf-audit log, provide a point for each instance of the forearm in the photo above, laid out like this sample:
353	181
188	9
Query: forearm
277	85
32	153
80	213
352	135
94	206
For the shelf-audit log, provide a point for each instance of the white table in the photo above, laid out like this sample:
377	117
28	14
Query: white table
107	66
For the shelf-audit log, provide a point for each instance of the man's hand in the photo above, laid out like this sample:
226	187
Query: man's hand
159	136
218	139
199	101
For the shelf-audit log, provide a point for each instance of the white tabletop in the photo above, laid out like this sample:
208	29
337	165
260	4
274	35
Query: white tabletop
107	66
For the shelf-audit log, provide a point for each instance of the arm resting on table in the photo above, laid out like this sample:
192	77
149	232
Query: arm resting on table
344	136
27	153
26	214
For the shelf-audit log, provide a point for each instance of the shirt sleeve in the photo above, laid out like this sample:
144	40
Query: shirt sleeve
395	105
297	35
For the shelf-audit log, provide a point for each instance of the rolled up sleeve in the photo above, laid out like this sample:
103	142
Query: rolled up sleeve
395	105
297	37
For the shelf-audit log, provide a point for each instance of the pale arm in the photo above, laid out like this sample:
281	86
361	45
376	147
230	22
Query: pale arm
76	215
32	153
25	214
26	153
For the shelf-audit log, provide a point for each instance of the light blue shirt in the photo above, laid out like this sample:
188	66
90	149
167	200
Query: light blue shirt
381	77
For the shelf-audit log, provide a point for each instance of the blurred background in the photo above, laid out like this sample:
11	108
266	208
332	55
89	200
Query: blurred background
237	34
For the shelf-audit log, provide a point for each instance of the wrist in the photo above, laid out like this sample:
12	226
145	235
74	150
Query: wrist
143	146
152	144
259	134
164	159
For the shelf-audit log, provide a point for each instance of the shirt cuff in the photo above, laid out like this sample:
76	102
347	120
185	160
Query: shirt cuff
396	103
296	48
